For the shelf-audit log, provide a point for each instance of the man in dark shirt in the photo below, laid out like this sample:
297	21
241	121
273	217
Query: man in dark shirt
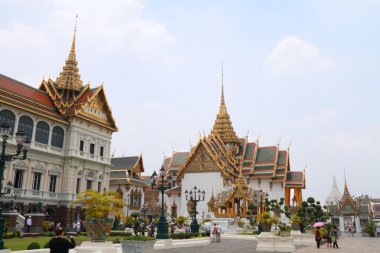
58	244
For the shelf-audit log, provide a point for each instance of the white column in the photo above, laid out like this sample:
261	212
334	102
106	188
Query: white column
357	222
341	224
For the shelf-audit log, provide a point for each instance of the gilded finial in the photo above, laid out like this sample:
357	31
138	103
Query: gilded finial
173	148
69	78
72	51
113	153
279	141
290	143
258	140
191	145
222	99
247	134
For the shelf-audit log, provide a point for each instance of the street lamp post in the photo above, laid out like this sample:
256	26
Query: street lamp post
260	203
127	200
23	144
195	196
163	225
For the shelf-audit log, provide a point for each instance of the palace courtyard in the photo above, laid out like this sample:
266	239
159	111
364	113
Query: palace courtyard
346	244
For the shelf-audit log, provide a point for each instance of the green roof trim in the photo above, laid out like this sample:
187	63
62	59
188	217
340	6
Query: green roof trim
266	155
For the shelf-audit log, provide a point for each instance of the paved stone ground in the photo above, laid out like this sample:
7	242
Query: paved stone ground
346	245
227	246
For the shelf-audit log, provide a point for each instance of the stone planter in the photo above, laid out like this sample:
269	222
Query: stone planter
98	229
130	246
295	227
267	227
284	233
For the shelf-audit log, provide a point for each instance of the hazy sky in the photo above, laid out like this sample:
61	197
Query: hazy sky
305	72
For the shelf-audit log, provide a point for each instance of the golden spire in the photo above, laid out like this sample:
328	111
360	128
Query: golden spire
223	124
69	78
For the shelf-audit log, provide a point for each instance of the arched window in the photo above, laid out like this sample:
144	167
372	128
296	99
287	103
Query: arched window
25	123
42	132
57	137
9	117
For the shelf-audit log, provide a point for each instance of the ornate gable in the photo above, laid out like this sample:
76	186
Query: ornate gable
201	162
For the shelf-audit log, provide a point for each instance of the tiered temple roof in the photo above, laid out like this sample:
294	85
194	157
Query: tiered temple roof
126	171
59	100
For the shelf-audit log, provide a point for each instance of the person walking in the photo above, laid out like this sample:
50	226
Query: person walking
214	233
318	237
334	238
58	244
28	224
329	241
218	232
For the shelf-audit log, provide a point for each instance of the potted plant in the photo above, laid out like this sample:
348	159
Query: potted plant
370	228
284	229
98	206
295	221
266	221
137	244
240	223
180	220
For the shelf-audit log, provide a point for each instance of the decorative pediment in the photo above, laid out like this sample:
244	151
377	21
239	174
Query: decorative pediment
94	107
201	162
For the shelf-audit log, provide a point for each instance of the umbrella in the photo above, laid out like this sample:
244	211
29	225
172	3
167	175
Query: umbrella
318	224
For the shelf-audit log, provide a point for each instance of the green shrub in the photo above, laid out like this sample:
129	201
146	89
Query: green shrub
203	234
139	238
46	226
120	233
180	220
46	246
175	236
48	234
17	234
195	234
116	241
9	235
33	245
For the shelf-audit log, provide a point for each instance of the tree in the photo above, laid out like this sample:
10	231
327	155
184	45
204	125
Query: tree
311	212
278	207
100	204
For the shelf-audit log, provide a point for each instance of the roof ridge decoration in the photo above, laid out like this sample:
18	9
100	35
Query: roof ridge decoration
222	147
223	124
69	78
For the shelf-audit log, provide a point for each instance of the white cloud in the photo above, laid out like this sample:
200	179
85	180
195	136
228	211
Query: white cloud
20	35
114	25
293	56
323	119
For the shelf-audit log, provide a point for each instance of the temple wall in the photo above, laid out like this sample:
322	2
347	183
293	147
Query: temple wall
207	181
275	192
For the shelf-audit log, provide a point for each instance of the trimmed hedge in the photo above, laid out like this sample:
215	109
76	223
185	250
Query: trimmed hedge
120	233
33	245
184	235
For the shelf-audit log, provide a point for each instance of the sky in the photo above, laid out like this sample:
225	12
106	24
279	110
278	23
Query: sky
304	73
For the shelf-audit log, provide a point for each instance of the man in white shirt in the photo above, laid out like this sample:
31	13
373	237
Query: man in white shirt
28	224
